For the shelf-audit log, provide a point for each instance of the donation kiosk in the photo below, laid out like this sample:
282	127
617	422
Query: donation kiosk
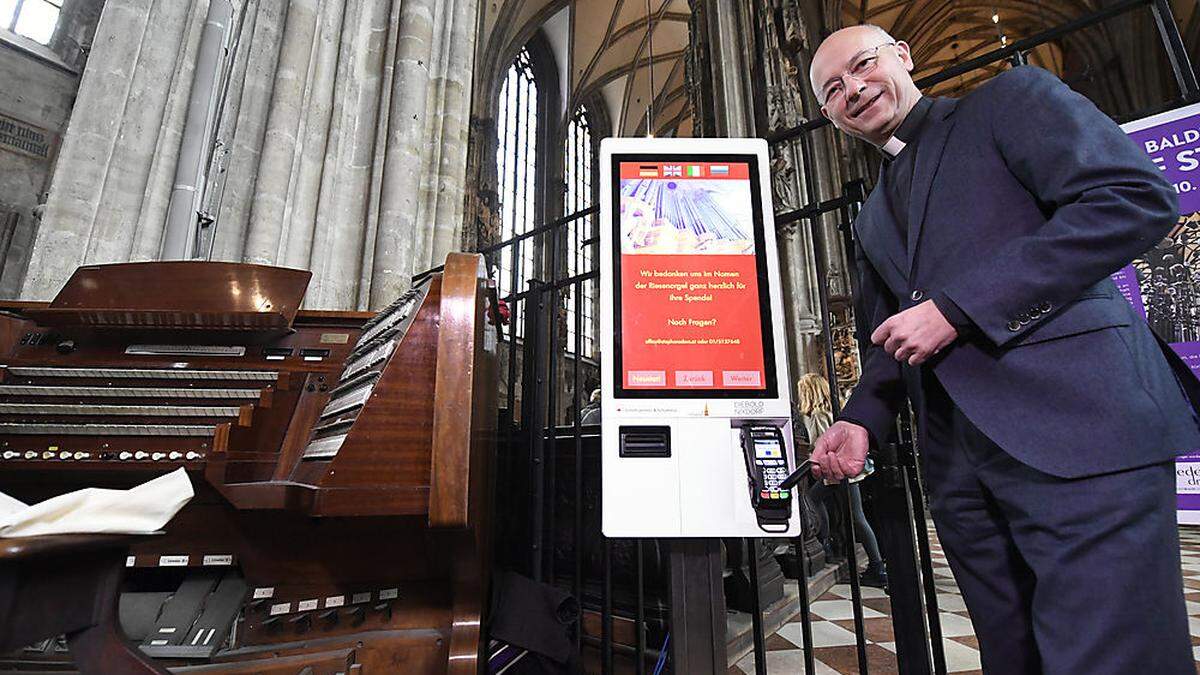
696	410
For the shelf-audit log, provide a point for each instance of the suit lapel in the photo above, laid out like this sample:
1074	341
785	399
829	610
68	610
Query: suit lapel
874	229
867	223
929	156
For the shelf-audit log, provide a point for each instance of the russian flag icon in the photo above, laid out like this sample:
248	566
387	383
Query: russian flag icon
719	169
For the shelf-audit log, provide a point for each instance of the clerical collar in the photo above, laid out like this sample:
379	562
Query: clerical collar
909	128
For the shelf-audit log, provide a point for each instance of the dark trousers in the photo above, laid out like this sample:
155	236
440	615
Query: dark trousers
1060	576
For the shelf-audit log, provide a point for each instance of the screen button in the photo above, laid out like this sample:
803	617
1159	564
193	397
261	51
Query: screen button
647	378
741	378
693	378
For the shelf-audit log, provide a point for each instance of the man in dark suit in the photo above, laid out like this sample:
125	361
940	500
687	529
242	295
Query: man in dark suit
1048	415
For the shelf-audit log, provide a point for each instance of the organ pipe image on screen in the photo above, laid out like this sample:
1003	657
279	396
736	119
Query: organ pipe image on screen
687	216
1169	279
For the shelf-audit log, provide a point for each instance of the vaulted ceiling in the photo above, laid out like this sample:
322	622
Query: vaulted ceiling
622	54
1125	52
628	55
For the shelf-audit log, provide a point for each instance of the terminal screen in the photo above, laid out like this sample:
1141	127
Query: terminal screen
692	300
768	449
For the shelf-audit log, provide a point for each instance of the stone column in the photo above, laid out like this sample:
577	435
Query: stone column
267	232
400	193
453	74
301	212
729	45
87	146
341	144
134	203
245	124
346	184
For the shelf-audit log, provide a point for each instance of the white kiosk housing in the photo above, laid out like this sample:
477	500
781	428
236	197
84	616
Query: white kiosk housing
696	410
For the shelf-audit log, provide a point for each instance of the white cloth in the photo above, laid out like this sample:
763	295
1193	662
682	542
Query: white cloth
138	510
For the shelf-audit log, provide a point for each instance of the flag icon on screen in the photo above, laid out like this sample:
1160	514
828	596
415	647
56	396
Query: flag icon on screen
672	170
719	169
694	171
648	171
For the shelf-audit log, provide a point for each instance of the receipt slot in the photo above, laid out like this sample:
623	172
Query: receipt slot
696	411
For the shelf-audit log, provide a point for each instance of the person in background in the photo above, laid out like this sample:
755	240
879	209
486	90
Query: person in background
590	413
816	411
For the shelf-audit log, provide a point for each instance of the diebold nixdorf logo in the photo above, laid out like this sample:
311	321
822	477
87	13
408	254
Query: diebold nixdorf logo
755	408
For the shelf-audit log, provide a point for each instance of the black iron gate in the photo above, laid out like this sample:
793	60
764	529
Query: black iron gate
635	593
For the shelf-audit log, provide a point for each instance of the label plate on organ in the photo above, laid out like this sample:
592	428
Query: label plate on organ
186	350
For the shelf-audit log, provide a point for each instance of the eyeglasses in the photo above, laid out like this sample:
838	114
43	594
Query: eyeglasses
862	65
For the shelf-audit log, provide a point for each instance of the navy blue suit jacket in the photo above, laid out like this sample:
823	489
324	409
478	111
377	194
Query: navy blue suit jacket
1025	199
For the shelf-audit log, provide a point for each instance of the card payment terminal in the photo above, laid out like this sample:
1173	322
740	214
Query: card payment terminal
767	467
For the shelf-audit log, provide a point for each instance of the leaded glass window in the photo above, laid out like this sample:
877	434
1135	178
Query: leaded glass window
516	171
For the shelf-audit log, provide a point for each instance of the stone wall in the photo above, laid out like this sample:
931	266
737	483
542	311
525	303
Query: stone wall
340	147
37	91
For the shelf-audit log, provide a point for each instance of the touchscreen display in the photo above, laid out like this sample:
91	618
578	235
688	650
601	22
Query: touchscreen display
692	280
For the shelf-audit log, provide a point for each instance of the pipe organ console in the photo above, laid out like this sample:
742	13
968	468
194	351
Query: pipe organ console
340	460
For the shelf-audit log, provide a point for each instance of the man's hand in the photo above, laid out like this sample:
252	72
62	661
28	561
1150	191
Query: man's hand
840	452
915	334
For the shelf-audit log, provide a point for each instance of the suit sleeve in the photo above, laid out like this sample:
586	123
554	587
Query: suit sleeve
1107	204
877	398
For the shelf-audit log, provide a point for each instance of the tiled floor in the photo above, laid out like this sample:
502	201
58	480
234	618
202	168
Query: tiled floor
834	648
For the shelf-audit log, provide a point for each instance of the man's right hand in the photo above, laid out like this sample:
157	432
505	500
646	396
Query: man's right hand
840	452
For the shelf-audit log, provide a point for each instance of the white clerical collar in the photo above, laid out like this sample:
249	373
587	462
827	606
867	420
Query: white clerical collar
893	146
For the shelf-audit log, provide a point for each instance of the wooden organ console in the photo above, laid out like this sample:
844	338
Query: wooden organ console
340	461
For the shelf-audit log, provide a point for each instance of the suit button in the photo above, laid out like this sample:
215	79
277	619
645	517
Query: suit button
1045	307
1023	317
1014	326
917	295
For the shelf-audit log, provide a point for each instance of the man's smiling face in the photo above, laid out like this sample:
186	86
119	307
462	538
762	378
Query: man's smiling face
863	81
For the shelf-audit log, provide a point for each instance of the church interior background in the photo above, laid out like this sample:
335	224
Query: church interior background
363	140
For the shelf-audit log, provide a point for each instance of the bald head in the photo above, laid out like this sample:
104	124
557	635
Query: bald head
862	78
867	32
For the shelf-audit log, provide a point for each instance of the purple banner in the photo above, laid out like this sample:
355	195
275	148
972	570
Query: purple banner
1174	146
1164	284
1127	283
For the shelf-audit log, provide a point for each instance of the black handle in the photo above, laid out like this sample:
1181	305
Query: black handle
795	476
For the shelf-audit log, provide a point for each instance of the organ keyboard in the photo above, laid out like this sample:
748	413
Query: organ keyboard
339	460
